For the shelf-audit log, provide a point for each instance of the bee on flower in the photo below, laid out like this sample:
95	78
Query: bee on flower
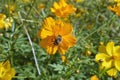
62	9
56	36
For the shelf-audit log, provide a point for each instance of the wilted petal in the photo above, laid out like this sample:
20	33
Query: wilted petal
6	64
102	49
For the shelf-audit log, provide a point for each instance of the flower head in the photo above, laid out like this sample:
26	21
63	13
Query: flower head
62	9
94	77
116	7
6	72
5	22
109	56
56	36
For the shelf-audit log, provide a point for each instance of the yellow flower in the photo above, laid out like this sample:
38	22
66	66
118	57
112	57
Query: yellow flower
112	72
5	23
62	9
6	72
94	77
56	36
109	56
2	17
115	9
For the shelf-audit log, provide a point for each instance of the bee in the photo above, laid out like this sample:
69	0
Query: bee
58	40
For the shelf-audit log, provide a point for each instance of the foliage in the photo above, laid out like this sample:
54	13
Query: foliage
92	21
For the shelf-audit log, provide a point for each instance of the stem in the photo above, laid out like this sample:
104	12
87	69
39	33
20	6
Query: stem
30	41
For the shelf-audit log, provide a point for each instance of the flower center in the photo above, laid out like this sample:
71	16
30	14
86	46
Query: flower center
58	40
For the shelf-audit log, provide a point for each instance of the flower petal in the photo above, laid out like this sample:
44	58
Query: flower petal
107	64
6	64
112	72
117	65
66	29
101	56
109	48
63	47
70	40
47	28
102	49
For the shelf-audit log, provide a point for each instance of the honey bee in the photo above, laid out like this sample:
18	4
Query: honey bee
58	40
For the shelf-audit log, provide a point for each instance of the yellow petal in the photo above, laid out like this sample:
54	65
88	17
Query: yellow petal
44	33
49	49
109	48
6	64
52	9
47	28
55	48
2	16
63	47
116	51
117	65
107	64
94	77
101	57
45	42
112	72
66	29
102	49
70	40
56	6
63	3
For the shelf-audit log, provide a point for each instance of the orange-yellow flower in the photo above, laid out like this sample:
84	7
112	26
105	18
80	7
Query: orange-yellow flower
56	36
109	56
115	9
94	77
6	72
62	9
